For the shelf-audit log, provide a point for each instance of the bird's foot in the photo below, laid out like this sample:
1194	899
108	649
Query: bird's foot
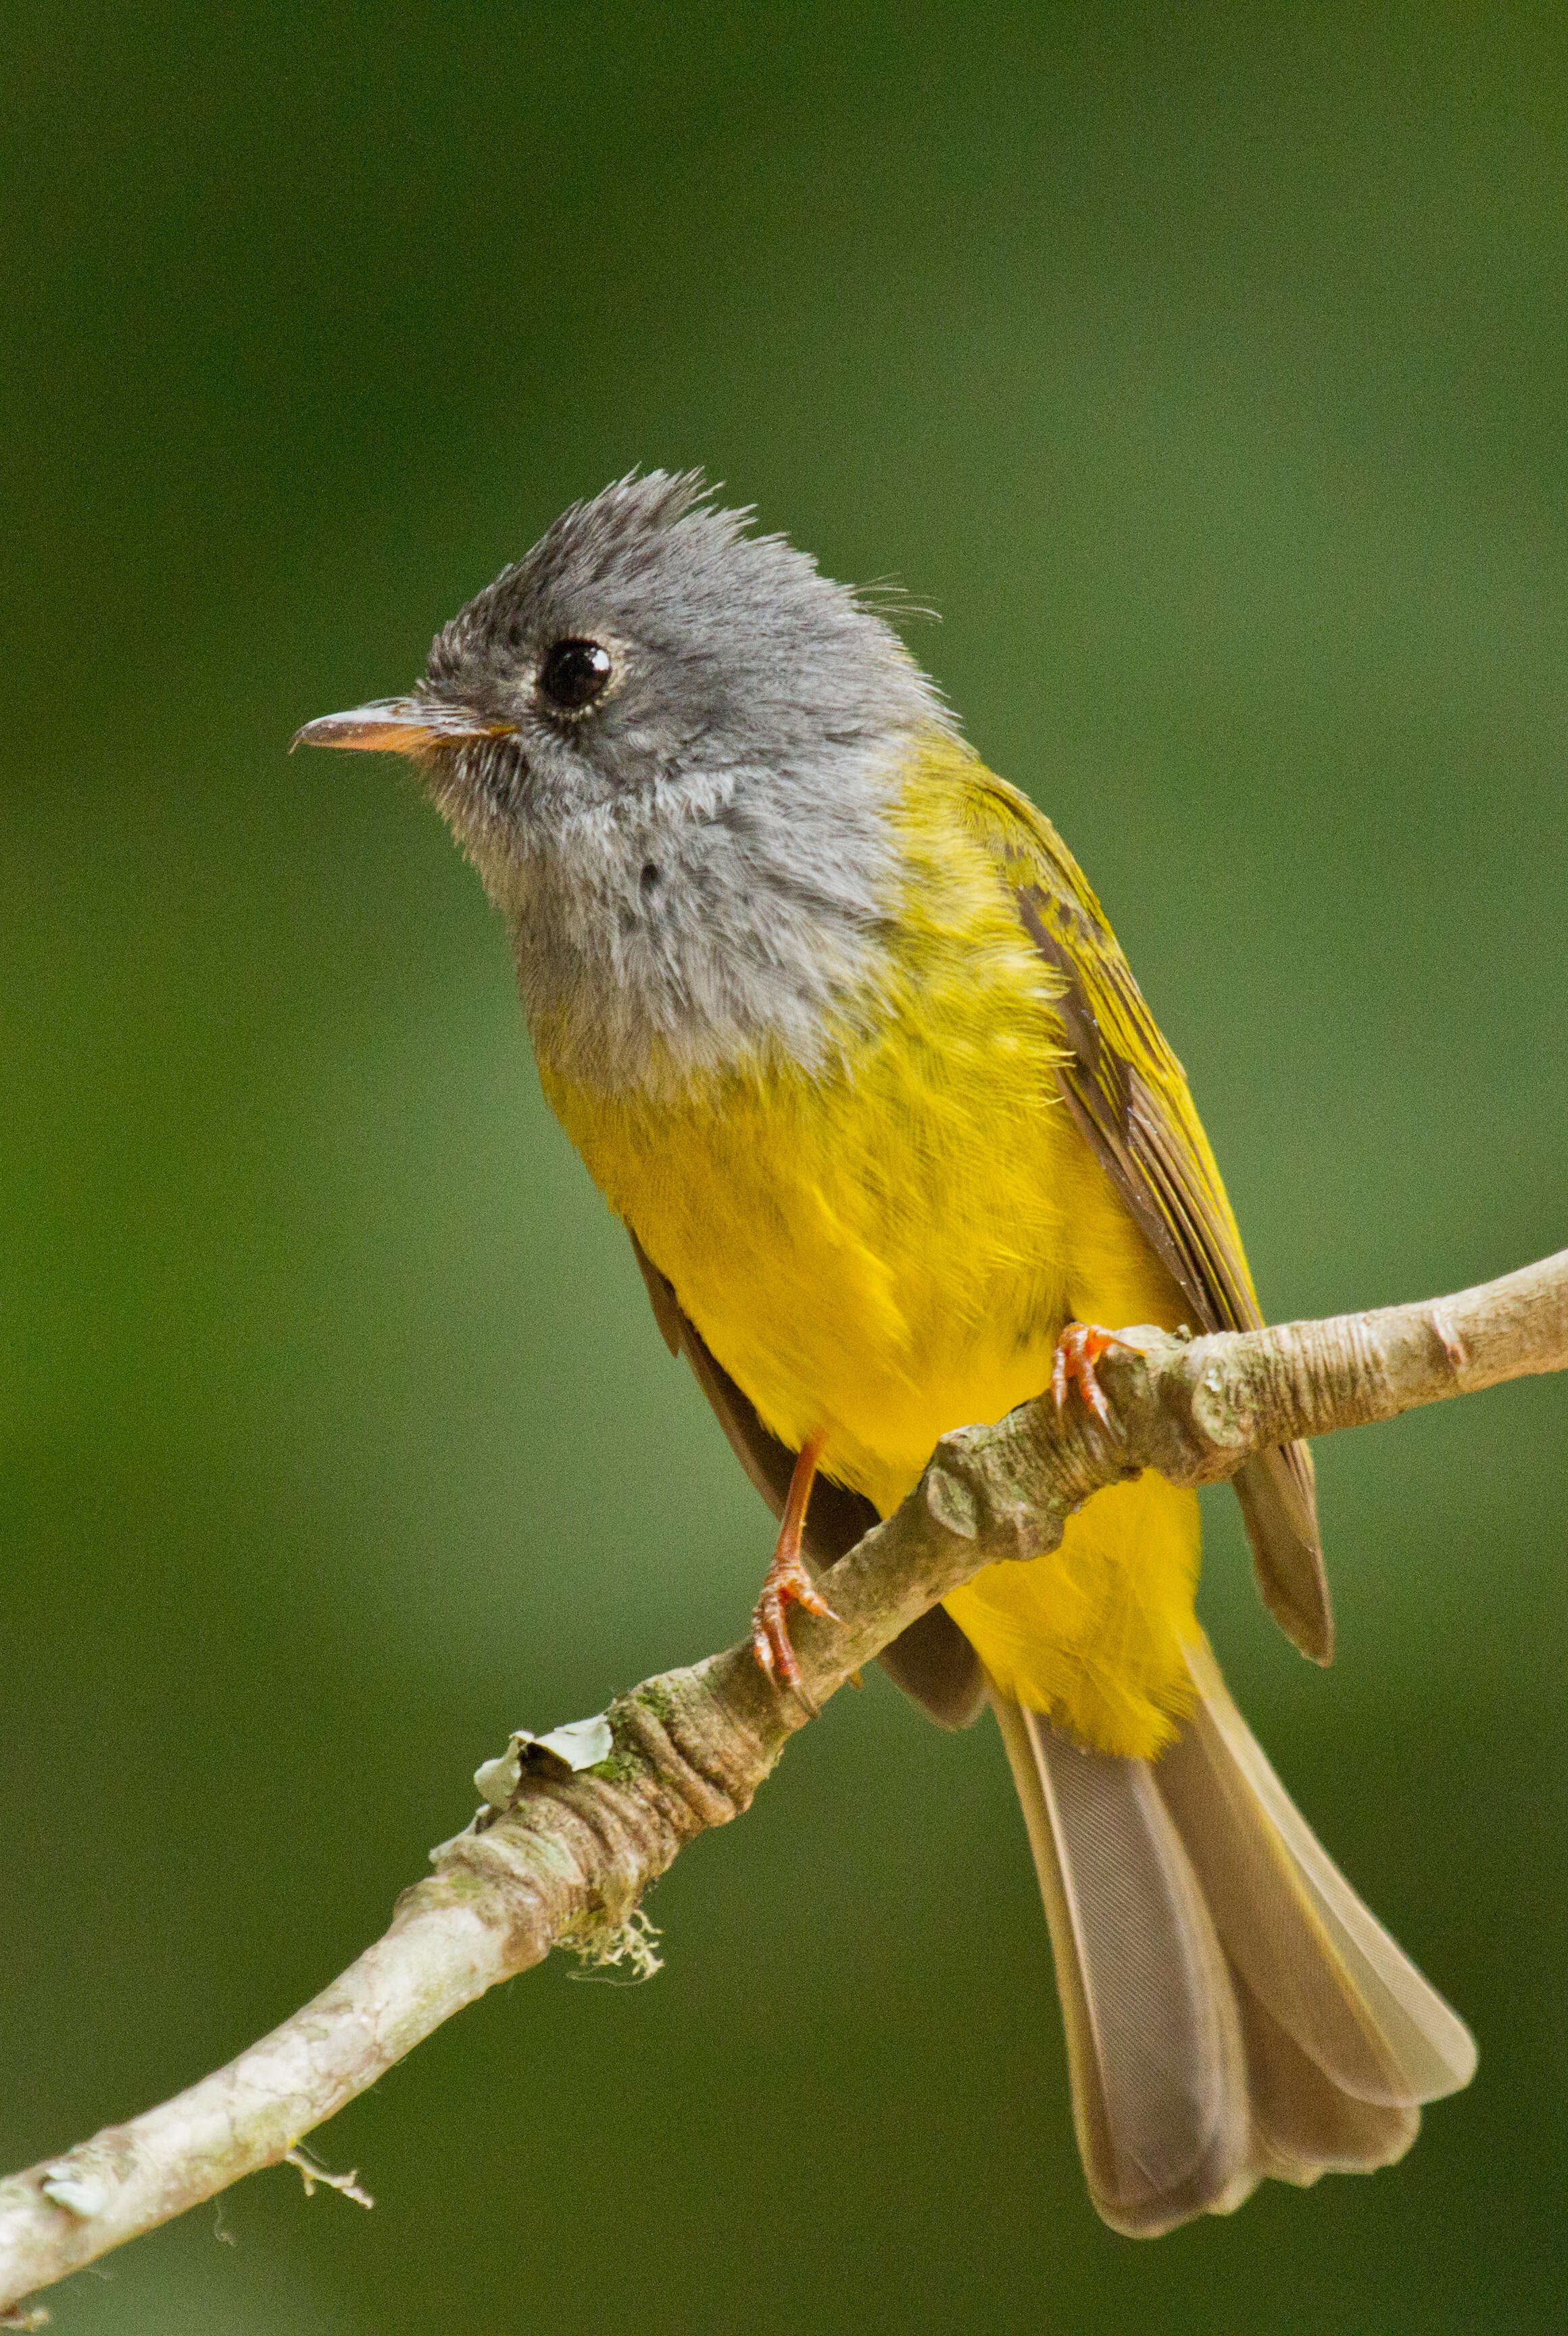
785	1583
1078	1349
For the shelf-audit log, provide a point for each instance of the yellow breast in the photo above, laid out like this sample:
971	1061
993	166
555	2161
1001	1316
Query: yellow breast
888	1247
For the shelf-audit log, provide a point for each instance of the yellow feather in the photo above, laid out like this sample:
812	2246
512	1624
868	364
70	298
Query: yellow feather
888	1247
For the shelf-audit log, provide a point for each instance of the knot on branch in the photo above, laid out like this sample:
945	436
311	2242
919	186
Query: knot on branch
574	1852
1209	1409
692	1744
1196	1409
1011	1488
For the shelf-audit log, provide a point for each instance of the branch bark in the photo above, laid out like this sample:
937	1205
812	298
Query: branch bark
570	1858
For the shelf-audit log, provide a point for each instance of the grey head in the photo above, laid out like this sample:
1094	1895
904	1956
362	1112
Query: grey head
669	745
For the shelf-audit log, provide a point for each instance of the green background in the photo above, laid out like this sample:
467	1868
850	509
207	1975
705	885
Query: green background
1206	369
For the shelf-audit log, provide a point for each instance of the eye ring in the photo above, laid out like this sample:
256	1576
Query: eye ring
574	672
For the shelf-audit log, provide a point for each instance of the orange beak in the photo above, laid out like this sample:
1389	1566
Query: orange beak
398	725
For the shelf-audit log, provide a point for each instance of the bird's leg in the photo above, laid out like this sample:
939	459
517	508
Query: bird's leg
786	1582
1078	1349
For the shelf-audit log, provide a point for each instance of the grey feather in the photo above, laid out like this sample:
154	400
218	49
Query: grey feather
1317	1957
1232	2010
1154	2045
701	863
1304	2126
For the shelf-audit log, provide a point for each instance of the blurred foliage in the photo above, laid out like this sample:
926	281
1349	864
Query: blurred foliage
1206	369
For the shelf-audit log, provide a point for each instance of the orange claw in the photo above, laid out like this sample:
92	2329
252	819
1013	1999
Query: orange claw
786	1582
1078	1349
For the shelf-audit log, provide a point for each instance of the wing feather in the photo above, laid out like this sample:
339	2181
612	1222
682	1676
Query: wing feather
1129	1096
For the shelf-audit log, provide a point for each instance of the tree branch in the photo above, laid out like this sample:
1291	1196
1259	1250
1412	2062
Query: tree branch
568	1861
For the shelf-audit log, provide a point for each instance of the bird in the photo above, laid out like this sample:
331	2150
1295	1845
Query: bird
848	1044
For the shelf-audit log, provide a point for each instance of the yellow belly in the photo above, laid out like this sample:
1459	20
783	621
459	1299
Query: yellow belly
888	1248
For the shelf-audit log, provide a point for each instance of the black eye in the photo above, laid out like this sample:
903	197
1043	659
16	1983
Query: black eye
573	673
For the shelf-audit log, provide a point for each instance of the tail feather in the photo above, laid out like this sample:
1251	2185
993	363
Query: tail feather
1232	2010
1317	1957
1303	2124
1155	2042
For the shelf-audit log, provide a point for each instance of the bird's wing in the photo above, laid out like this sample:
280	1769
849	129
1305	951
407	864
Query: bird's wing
1128	1094
931	1660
